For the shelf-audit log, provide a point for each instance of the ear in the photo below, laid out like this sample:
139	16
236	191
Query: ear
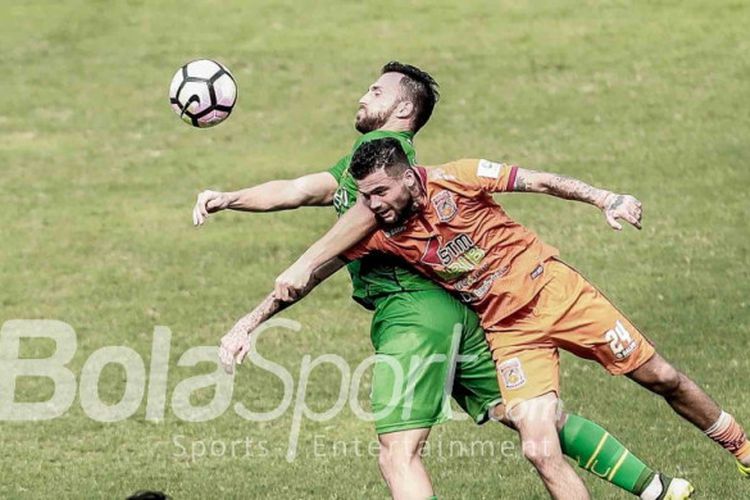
410	179
405	110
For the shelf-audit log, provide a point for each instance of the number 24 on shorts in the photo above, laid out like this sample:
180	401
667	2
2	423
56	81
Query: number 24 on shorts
620	341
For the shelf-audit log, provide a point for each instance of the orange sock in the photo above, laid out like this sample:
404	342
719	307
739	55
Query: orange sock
728	434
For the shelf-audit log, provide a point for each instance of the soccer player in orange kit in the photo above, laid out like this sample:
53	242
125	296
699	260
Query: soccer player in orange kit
445	223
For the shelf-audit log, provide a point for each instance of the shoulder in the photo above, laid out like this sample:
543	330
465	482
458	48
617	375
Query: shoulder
454	173
340	167
457	169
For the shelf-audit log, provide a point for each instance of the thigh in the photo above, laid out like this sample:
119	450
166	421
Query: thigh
407	442
475	385
527	361
591	327
413	343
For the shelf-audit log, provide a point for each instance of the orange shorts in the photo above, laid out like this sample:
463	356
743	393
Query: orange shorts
568	313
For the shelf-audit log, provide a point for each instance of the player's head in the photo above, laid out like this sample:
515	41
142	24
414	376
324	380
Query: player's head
403	97
385	179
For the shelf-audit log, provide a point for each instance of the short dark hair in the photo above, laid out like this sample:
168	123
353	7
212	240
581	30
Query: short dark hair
420	87
385	153
149	495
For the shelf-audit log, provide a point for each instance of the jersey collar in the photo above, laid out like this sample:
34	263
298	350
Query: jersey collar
406	135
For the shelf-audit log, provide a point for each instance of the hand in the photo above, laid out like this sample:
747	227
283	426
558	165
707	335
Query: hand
622	206
233	348
292	283
209	202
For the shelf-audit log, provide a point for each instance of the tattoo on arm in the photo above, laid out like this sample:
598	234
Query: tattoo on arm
563	187
521	185
265	310
272	305
573	189
616	202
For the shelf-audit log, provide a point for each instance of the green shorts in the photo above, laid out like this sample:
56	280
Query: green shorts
428	346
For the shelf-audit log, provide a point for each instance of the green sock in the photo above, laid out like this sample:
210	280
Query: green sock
598	452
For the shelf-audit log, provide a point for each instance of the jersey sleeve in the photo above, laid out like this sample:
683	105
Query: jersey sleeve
475	176
337	171
368	245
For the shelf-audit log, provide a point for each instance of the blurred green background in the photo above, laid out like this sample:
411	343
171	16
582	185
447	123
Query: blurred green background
99	178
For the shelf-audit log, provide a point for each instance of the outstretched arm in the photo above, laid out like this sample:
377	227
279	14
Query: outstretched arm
235	344
615	206
349	230
308	190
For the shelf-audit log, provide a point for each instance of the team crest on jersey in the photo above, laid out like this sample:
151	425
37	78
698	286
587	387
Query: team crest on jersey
512	373
445	206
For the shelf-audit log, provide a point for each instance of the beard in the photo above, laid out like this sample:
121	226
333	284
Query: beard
369	122
402	215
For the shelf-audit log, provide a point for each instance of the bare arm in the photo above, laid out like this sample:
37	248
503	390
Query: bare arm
349	230
235	344
615	206
318	263
309	190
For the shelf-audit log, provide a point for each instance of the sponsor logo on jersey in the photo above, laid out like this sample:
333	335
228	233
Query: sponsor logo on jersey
489	169
445	206
467	281
512	373
457	257
481	291
341	199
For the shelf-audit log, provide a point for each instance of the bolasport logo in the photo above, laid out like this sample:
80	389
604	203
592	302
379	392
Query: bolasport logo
147	380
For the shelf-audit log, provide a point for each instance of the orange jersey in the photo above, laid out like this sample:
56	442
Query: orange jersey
464	240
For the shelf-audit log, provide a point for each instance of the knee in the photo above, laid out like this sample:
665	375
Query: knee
498	414
544	456
383	461
393	459
667	380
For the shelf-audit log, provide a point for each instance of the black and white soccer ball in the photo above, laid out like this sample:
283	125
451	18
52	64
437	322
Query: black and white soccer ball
203	93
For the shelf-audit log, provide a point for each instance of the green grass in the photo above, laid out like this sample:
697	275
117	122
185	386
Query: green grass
99	176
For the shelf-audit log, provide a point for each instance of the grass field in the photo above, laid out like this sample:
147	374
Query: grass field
99	177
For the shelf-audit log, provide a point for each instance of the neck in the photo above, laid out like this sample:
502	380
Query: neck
396	125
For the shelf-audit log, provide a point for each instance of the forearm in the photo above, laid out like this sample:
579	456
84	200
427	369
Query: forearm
561	186
309	190
263	312
267	197
272	305
349	230
235	345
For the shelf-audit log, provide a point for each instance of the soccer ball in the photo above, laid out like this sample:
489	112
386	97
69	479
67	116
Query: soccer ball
203	93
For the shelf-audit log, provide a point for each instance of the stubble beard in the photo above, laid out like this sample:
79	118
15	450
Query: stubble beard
411	208
370	122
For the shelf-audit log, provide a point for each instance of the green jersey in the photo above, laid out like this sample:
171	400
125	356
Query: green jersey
376	275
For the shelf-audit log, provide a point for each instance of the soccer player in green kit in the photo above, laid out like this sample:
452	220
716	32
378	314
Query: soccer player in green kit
415	317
